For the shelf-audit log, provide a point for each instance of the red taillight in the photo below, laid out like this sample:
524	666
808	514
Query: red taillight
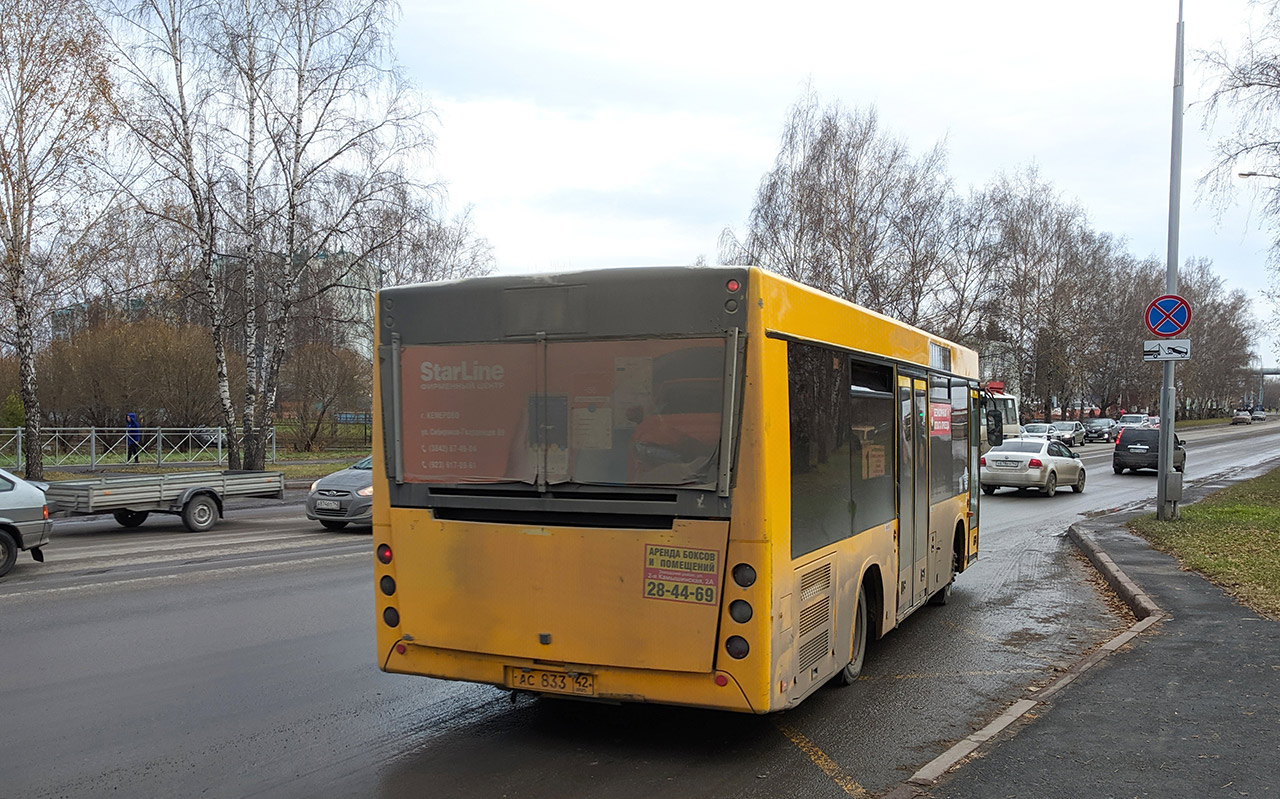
1119	433
46	512
1034	463
733	285
982	461
384	554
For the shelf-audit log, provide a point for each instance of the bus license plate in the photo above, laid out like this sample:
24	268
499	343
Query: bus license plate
554	682
328	504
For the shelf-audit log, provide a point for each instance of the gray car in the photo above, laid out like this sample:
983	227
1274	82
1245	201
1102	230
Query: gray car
24	519
344	497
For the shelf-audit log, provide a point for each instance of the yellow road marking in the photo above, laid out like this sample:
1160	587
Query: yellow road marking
822	761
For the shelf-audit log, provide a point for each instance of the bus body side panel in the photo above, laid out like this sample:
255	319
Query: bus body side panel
752	529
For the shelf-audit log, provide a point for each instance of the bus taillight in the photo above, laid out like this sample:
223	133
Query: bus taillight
744	575
740	611
733	285
384	554
737	647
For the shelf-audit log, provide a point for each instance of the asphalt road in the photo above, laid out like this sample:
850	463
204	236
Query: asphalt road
240	662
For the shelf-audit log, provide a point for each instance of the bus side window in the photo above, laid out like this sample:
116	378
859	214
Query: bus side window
821	458
871	412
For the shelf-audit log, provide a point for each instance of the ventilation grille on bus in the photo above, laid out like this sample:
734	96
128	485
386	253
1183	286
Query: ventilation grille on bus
813	650
814	616
815	582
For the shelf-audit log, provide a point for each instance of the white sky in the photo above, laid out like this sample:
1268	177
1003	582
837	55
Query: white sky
598	134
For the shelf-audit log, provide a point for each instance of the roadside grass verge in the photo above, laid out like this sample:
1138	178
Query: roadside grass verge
1232	537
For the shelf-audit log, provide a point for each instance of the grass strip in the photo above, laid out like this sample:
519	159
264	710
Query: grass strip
1232	537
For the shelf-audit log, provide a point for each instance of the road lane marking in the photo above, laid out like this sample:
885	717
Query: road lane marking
165	578
822	760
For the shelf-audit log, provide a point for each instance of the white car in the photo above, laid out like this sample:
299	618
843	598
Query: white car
1259	415
1031	463
24	519
1037	430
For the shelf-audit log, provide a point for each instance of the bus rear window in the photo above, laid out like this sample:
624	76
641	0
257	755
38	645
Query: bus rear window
643	412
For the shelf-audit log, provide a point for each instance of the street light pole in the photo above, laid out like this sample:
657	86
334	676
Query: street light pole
1167	507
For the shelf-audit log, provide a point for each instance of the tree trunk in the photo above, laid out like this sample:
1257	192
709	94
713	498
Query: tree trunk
32	449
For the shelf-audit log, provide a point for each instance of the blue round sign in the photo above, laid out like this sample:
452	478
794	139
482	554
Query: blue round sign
1168	315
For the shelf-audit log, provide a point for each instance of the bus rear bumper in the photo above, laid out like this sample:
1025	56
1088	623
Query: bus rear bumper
607	683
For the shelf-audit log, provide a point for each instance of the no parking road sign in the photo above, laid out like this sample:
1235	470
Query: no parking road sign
1168	316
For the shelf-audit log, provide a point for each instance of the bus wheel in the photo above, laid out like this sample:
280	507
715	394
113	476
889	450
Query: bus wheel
942	596
850	673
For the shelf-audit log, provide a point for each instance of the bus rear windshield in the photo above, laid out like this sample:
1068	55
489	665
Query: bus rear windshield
630	412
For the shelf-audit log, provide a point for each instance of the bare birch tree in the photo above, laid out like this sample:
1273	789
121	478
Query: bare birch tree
172	116
54	84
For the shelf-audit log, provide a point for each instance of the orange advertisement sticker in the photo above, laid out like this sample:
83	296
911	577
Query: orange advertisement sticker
681	574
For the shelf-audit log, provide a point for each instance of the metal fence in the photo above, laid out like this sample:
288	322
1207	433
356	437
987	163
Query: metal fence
106	446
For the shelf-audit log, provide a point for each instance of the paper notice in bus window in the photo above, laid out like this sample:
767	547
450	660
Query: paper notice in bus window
940	419
593	428
632	389
873	461
681	574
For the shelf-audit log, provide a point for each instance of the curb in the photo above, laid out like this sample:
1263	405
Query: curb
1138	601
1144	608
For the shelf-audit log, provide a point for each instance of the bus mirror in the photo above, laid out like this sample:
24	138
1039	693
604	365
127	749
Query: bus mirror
995	427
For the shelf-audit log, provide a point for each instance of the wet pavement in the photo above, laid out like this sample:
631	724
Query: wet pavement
245	671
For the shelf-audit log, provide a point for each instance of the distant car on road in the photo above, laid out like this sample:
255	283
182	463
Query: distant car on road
1259	415
1031	463
1070	433
1103	429
1133	420
1154	422
1140	449
344	497
24	519
1037	430
1242	417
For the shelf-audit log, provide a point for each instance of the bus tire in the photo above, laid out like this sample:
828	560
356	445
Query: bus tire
849	674
129	518
943	596
8	552
200	513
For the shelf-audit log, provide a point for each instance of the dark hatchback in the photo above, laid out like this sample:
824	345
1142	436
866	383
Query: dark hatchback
1100	430
344	497
1139	448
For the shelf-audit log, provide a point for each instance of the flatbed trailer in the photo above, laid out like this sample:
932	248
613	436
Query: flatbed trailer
197	497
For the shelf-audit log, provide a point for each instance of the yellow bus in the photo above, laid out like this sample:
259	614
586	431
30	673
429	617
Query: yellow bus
692	486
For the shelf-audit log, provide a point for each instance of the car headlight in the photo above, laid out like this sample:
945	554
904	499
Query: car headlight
367	491
313	486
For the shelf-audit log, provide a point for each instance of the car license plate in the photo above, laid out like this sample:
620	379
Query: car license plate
1138	449
1006	463
553	682
328	504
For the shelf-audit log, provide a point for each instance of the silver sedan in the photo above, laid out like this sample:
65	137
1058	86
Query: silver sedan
1031	463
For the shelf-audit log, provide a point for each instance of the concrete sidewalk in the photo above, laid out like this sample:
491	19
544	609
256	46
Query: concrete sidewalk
1189	707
